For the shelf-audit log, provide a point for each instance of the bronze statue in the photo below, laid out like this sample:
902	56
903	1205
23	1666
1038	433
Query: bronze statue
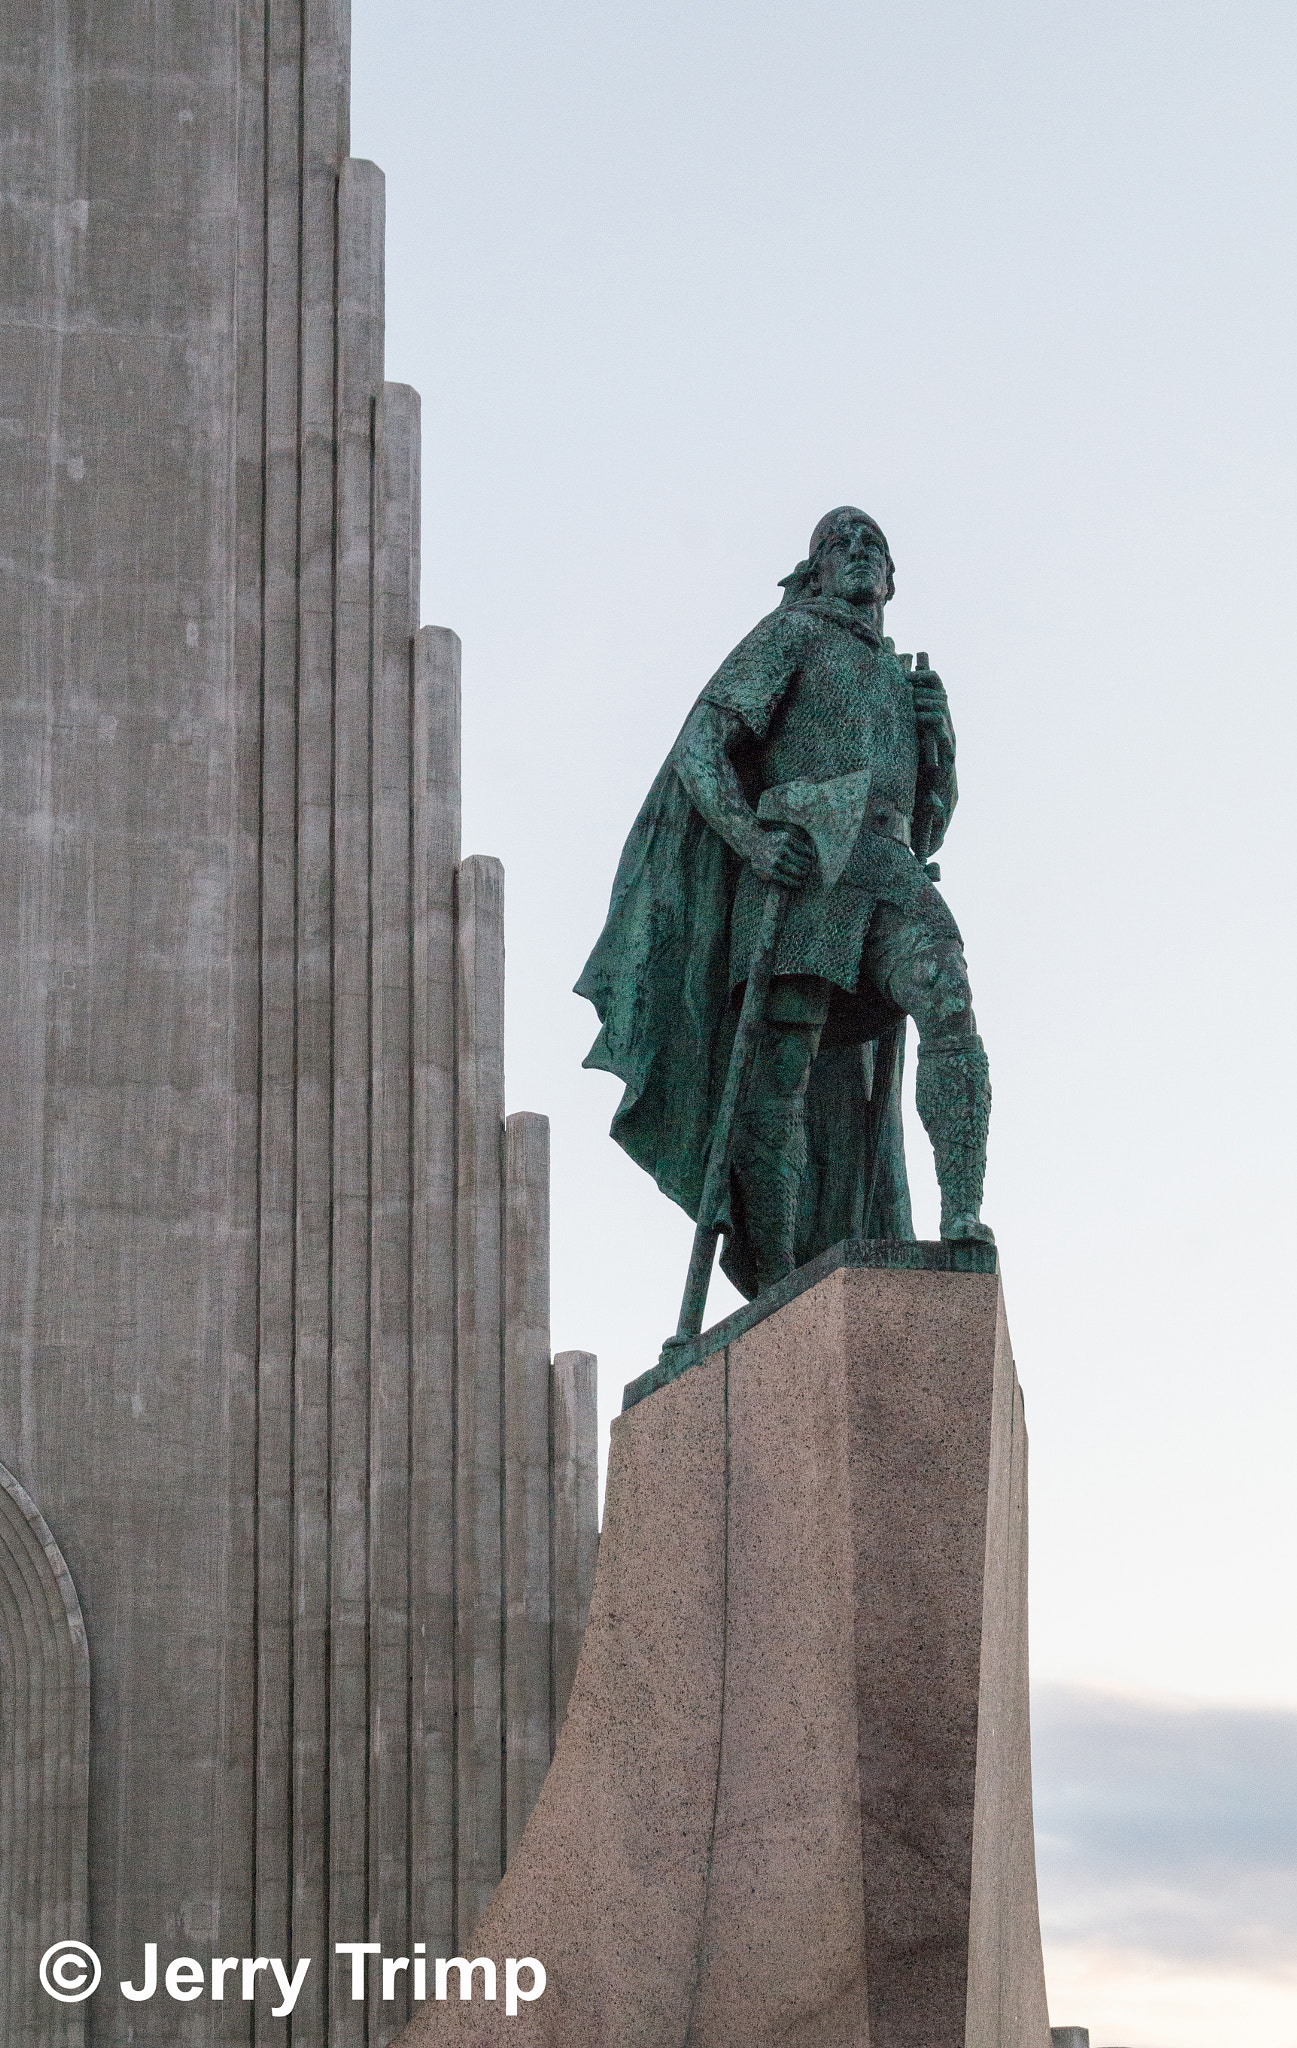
730	847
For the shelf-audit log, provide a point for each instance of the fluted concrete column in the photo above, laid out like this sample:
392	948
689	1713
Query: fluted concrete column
526	1469
357	553
390	1616
309	169
269	602
251	1236
574	1517
435	814
479	1051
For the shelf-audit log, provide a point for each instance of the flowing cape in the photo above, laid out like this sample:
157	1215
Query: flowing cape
659	981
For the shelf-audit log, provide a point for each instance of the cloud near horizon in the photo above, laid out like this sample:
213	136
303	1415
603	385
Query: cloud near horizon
1166	1844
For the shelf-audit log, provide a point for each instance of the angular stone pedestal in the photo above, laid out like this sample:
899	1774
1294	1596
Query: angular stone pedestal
792	1800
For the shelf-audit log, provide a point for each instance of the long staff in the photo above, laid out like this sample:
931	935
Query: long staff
707	1229
831	814
891	1042
931	759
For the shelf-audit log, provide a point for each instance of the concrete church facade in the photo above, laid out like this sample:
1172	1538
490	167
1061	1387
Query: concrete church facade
277	1405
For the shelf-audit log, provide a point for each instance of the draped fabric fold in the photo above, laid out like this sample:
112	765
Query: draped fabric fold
659	981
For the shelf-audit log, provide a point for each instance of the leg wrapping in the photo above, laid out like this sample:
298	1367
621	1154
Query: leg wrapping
769	1161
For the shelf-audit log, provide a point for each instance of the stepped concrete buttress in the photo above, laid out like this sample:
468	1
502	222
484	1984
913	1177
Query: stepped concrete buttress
274	1310
792	1800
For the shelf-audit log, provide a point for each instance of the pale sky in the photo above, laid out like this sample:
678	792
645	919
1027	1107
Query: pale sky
1018	279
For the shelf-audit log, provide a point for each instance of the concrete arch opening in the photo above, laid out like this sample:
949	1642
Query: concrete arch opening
44	1771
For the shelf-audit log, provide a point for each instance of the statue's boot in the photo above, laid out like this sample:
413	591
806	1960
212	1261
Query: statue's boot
952	1089
768	1162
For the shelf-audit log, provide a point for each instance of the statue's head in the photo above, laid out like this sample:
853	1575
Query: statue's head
849	557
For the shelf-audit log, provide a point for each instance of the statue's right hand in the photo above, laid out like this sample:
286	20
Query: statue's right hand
783	853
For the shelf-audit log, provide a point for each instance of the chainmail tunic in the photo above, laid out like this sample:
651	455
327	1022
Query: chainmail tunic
822	699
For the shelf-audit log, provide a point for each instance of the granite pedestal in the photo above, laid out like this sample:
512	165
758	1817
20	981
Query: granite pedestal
792	1800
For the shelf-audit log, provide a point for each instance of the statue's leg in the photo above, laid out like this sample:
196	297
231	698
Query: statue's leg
915	955
769	1156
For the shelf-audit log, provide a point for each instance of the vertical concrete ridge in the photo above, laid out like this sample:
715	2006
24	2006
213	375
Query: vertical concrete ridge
326	66
238	555
311	284
123	912
44	1770
252	1253
357	545
573	1518
391	1644
479	1124
434	711
270	463
526	1470
314	195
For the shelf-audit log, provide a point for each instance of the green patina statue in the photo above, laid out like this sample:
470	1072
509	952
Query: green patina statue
711	898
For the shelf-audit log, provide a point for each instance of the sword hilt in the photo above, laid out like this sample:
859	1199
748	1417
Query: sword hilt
927	739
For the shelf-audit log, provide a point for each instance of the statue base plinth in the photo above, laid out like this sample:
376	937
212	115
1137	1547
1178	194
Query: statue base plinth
926	1255
792	1798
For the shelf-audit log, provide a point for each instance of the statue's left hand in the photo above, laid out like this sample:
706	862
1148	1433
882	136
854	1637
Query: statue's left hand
931	709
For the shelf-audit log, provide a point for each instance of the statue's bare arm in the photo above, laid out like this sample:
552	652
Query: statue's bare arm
705	765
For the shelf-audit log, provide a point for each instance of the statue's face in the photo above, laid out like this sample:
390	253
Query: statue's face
854	565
